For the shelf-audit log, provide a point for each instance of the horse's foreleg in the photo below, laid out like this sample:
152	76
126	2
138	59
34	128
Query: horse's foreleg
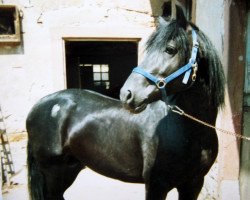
156	191
191	189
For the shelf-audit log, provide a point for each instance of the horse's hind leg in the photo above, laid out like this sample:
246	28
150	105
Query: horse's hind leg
59	176
191	189
49	177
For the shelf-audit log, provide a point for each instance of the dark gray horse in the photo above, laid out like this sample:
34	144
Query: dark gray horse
71	129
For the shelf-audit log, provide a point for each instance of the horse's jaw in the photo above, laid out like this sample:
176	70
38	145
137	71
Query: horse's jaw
135	110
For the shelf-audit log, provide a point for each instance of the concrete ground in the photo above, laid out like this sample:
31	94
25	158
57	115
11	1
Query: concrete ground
88	185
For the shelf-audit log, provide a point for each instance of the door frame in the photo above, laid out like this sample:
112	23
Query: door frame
245	147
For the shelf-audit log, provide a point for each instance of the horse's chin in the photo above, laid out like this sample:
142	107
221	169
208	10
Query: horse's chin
136	110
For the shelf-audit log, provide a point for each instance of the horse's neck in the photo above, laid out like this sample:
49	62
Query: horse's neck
154	111
195	101
157	106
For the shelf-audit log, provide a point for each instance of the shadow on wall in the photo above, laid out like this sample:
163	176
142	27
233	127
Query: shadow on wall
156	7
11	49
236	63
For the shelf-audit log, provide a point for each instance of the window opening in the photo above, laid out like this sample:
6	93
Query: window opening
9	24
100	74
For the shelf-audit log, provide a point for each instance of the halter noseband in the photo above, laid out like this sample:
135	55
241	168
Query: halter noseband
162	82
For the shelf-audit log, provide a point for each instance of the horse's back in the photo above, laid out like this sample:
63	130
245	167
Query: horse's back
55	105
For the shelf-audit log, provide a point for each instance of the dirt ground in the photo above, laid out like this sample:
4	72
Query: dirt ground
88	185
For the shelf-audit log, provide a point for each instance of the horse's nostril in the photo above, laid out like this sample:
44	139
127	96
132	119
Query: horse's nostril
126	96
129	95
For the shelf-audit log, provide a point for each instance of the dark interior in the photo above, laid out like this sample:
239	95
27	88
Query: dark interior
100	66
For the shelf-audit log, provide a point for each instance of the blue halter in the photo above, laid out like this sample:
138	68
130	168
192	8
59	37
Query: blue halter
162	82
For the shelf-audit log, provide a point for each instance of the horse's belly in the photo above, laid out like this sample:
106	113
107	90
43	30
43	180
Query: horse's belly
114	165
125	175
109	155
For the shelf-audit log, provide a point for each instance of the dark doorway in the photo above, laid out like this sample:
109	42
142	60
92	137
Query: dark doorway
100	66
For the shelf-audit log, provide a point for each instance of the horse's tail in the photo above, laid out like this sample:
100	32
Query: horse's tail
35	177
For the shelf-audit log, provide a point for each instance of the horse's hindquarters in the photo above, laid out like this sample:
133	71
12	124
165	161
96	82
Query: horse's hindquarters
47	166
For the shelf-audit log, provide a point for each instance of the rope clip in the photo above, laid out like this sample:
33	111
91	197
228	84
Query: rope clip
176	109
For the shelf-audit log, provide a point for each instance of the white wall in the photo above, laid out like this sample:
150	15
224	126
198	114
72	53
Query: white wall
36	67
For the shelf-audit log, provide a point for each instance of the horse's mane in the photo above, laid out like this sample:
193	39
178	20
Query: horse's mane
210	72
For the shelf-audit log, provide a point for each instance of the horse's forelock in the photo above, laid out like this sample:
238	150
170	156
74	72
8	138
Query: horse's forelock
166	31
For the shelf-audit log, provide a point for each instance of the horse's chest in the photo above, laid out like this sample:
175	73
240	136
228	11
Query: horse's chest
188	152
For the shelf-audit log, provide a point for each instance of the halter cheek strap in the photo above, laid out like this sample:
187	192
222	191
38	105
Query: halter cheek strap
162	82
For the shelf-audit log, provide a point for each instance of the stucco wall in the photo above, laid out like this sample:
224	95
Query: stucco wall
36	67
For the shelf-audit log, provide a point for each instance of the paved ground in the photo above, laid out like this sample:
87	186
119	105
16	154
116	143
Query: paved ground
88	185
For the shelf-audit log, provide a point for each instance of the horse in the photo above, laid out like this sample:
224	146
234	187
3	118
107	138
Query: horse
188	77
137	139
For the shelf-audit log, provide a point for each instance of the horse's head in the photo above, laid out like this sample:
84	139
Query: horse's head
170	65
168	48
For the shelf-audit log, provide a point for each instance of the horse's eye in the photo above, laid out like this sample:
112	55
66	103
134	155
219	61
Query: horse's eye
171	50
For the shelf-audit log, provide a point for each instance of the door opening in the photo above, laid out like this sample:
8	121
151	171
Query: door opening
102	66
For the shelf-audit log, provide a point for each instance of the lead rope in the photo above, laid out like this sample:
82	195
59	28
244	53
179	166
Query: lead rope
181	112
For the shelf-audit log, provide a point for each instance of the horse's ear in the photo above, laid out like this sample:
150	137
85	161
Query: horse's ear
162	21
189	30
180	17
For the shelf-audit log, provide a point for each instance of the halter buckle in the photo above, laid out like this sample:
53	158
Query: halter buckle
195	44
195	68
161	83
